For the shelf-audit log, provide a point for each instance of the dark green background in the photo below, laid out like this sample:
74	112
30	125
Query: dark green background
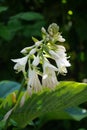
16	33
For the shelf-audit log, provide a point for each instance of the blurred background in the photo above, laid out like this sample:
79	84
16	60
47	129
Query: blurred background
22	19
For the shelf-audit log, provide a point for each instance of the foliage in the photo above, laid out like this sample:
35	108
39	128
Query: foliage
46	105
19	20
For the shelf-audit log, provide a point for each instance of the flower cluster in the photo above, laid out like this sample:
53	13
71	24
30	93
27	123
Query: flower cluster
45	59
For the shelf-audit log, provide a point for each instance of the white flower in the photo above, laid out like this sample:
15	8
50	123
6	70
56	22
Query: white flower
49	77
38	43
47	64
26	49
60	38
61	48
20	63
33	81
36	60
33	51
60	58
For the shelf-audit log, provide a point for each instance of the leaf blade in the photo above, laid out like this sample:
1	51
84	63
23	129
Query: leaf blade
66	95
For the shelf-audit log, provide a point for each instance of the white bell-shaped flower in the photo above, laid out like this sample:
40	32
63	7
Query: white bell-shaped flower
26	49
20	63
33	81
60	58
49	78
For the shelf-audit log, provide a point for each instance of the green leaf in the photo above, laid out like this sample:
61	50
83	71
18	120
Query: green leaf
6	97
3	8
28	16
7	87
58	102
5	33
77	113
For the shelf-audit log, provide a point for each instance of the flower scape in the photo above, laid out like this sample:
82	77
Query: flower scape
43	61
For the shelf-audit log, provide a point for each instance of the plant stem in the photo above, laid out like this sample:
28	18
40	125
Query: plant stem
21	87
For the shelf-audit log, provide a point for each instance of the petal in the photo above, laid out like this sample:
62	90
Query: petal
34	81
26	49
37	44
36	60
61	39
20	63
50	80
33	51
47	64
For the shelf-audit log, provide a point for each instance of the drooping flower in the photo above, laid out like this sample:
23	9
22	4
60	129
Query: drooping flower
33	51
60	58
20	64
49	78
33	81
26	50
37	58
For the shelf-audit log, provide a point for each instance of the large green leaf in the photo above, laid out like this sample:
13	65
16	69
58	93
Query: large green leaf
7	87
58	102
29	16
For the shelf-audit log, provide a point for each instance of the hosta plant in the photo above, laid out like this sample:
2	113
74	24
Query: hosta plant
41	95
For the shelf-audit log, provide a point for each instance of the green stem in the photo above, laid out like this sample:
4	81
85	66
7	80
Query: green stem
21	87
18	94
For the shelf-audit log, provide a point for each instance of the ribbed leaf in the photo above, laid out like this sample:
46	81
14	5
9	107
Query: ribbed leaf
7	87
66	96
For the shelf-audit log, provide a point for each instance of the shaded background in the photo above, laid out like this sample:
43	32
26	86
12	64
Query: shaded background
22	19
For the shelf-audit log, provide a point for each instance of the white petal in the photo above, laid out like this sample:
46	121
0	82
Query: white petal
53	54
61	48
38	43
47	64
36	61
61	39
20	63
34	82
21	60
33	51
45	76
62	70
50	80
26	49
